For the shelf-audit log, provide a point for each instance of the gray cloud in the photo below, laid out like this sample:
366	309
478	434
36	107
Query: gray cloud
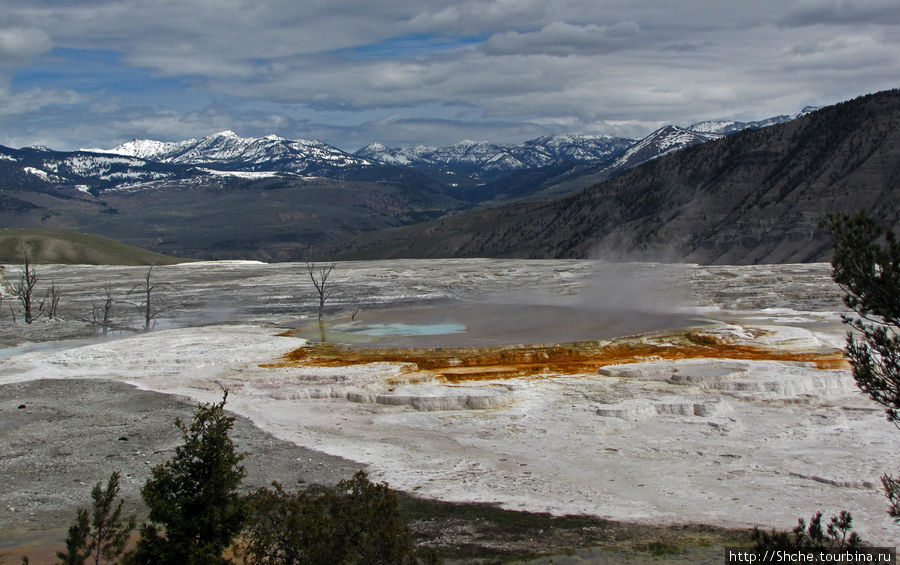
479	17
349	71
560	38
401	130
18	44
843	12
34	101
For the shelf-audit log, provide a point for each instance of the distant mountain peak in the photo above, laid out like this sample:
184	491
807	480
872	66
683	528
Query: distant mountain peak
228	150
468	162
727	127
664	140
495	158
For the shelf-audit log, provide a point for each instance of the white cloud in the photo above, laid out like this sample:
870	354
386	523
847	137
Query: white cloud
514	65
35	100
19	44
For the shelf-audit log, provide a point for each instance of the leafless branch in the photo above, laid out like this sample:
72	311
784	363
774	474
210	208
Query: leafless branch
150	305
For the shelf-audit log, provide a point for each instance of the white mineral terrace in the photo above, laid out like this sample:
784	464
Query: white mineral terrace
702	440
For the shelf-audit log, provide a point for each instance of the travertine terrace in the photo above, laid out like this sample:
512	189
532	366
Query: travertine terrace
740	413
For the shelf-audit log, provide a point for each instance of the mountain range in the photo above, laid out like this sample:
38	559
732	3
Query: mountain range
273	198
142	164
756	196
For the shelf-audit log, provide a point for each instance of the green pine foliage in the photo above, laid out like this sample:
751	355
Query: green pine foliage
99	536
356	522
197	515
195	508
866	265
837	537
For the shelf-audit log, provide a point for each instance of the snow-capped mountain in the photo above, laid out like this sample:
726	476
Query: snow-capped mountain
728	127
389	155
672	138
492	157
79	169
463	153
229	151
142	148
718	127
551	149
464	164
662	141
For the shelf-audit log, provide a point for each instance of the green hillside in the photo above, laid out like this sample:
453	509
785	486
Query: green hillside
74	248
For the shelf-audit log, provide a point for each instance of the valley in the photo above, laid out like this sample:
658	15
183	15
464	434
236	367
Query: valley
275	199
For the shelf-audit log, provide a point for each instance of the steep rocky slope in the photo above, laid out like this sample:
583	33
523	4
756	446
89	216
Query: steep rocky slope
754	197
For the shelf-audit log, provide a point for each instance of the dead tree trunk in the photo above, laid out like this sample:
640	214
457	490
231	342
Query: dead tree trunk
50	304
150	306
24	290
319	274
101	312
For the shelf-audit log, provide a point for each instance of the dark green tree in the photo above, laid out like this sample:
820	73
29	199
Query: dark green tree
866	265
287	528
195	508
99	536
370	523
356	522
838	536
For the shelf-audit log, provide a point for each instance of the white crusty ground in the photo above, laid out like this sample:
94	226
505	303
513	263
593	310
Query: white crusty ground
722	442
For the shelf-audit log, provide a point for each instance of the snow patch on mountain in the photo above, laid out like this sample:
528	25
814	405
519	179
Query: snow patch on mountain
241	174
538	152
391	156
143	148
270	152
91	164
727	127
43	175
717	127
662	141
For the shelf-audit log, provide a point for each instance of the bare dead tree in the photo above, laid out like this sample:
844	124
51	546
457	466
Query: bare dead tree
101	311
151	306
24	290
105	309
318	274
50	303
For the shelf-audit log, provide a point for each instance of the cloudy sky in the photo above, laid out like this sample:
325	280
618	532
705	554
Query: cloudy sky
76	73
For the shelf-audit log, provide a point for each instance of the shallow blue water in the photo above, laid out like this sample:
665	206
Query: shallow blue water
45	347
